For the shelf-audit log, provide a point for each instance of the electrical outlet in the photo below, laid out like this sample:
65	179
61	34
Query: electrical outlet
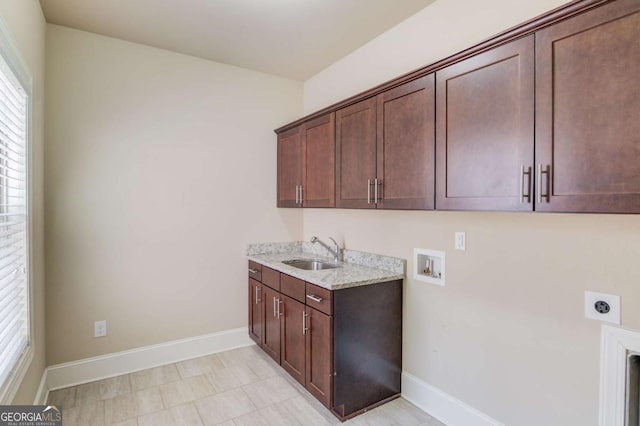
460	241
602	307
100	328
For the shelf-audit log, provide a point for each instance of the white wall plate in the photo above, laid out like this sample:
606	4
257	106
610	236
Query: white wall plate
602	307
460	241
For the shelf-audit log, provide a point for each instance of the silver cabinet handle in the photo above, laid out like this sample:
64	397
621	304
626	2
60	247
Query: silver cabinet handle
257	295
368	191
377	196
375	191
521	184
274	307
314	298
279	305
540	173
253	271
522	175
304	323
301	194
539	183
297	194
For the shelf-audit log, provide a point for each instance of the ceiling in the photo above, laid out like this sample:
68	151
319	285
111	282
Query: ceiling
290	38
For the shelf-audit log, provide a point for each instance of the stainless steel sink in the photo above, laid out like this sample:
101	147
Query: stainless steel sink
310	265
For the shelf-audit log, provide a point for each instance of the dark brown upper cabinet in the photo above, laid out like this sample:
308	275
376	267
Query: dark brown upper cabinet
356	154
485	130
406	146
306	164
318	166
542	117
385	149
290	167
588	112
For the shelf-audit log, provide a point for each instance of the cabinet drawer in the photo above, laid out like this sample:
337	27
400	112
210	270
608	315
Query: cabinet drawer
271	278
255	271
292	287
319	298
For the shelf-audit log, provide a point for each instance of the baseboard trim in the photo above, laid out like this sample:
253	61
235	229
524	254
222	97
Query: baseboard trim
101	367
442	406
43	391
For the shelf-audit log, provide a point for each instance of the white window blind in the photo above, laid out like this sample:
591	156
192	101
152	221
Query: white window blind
14	288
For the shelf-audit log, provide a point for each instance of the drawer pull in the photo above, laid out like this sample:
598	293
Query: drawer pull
253	271
315	298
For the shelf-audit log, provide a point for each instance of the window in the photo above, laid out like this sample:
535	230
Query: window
14	239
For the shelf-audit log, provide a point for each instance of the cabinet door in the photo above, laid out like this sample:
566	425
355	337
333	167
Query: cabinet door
292	320
406	145
484	130
356	155
289	167
367	351
271	336
255	311
319	162
588	112
318	351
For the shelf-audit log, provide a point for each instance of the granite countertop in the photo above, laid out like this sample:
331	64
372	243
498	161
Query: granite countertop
359	268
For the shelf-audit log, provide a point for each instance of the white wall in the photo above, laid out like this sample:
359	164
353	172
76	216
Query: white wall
26	24
437	31
507	334
159	168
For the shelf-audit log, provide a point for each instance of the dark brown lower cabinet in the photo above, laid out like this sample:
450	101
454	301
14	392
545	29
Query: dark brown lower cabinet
318	344
271	335
344	346
292	338
255	310
367	346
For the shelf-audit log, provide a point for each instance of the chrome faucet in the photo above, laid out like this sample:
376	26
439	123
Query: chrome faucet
337	252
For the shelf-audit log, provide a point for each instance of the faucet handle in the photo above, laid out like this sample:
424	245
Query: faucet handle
338	250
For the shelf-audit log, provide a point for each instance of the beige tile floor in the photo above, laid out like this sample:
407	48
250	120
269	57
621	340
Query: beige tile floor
239	387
